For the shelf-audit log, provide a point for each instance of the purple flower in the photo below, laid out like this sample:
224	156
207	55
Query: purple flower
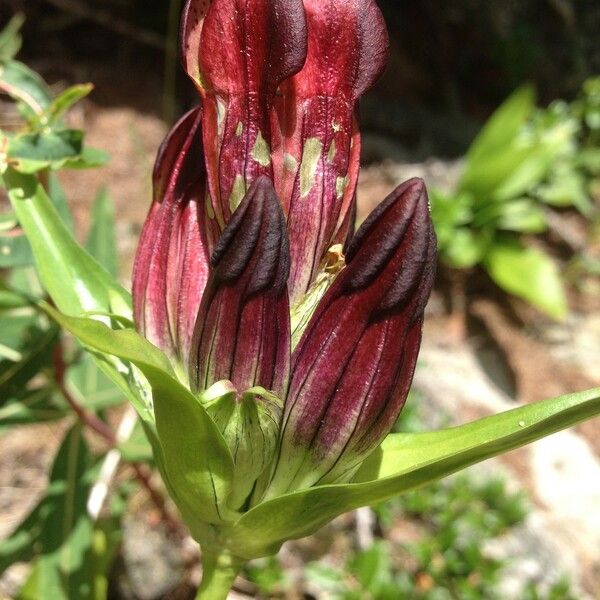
262	179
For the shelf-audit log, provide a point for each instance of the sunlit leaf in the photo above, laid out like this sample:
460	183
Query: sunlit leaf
74	280
101	242
24	85
529	274
65	100
403	462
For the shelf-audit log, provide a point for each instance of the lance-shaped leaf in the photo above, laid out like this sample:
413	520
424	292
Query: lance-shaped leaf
243	328
316	140
404	462
171	265
194	460
73	279
238	52
354	365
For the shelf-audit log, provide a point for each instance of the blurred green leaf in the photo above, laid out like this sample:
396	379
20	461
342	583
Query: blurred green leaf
35	354
32	406
372	568
403	462
88	159
90	386
33	152
10	38
522	215
466	248
137	449
101	242
14	250
494	154
24	85
504	125
59	199
529	274
65	101
529	172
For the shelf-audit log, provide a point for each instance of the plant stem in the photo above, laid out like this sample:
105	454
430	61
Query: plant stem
218	574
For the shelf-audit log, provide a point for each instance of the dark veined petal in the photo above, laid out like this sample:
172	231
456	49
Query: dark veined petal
238	52
316	142
354	364
171	264
243	329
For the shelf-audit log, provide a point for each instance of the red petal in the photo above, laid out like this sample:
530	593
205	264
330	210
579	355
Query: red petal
317	142
354	365
171	264
238	52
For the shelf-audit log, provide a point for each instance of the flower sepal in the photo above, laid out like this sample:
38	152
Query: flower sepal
249	423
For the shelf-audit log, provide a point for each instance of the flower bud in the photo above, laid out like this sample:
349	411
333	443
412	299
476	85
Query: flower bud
171	264
316	142
238	52
249	423
353	367
243	329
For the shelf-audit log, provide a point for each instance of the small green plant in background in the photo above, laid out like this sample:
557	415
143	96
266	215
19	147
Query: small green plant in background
525	162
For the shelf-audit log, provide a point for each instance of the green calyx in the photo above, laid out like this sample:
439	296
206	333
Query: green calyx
249	423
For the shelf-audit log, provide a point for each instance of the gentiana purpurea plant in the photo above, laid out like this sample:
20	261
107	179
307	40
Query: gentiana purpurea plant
273	347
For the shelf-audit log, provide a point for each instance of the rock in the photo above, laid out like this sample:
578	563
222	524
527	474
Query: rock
561	473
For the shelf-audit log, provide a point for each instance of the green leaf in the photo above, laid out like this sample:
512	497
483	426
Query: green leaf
90	386
15	252
59	199
467	247
10	38
88	159
33	152
65	101
372	568
36	354
32	406
504	125
531	171
197	464
404	462
101	242
529	274
137	449
496	154
522	215
74	280
24	85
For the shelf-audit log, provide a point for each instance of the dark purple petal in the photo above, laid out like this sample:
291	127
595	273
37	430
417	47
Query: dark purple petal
243	329
171	264
354	364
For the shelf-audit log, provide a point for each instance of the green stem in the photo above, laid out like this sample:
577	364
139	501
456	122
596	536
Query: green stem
218	574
